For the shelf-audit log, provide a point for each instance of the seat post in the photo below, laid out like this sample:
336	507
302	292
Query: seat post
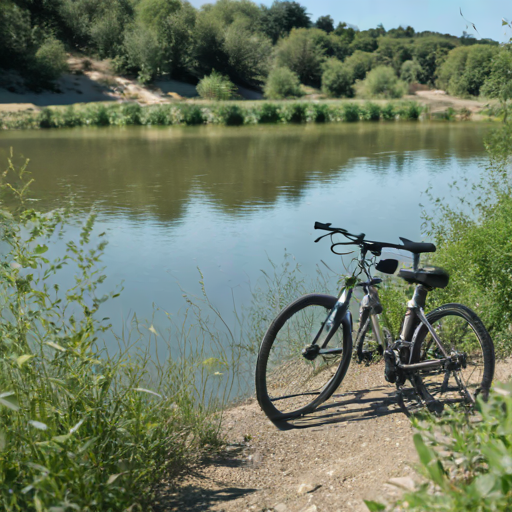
415	261
411	319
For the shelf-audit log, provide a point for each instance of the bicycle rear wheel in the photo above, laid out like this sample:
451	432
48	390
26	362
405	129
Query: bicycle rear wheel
287	384
461	332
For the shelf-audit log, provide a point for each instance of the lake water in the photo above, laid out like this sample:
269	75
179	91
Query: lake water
225	200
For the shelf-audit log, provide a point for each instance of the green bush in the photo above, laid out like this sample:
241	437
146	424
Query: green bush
302	53
216	87
80	429
466	460
350	112
97	115
371	112
131	113
410	71
382	82
320	113
192	115
282	83
295	113
231	115
409	111
46	118
143	52
269	113
49	61
359	63
388	112
71	117
337	79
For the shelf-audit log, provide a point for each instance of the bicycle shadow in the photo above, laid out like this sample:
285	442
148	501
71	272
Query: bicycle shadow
347	407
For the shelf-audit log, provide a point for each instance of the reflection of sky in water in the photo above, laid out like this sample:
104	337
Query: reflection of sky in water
229	228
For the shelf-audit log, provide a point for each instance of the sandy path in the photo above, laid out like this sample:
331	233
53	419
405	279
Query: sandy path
358	445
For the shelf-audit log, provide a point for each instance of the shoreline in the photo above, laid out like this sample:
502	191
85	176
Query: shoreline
233	113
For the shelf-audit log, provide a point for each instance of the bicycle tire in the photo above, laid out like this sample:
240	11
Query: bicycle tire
280	362
461	330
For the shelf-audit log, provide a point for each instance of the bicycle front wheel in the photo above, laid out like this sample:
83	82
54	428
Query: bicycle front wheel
461	333
287	384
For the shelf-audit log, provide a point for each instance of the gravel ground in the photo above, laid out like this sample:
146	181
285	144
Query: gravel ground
357	445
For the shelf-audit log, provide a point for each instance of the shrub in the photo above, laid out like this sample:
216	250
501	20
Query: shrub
49	61
337	79
268	113
216	87
97	115
302	53
157	116
388	112
282	83
371	112
79	426
45	118
409	111
359	63
143	52
131	113
295	113
71	117
320	113
382	82
231	115
410	71
350	112
192	115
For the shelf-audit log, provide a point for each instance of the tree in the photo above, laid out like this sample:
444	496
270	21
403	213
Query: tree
279	19
430	51
337	79
364	42
394	51
410	71
302	54
248	53
282	83
465	69
499	83
325	23
143	52
359	63
382	82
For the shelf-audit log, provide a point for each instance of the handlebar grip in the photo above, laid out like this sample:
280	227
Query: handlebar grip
320	225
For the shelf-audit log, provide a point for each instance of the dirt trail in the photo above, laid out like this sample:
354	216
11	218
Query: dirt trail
357	445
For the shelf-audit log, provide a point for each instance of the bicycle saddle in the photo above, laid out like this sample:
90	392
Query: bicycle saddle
433	277
417	247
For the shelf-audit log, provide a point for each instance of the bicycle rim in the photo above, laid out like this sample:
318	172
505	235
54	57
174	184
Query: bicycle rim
293	384
460	332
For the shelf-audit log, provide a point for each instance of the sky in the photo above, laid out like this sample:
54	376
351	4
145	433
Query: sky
435	15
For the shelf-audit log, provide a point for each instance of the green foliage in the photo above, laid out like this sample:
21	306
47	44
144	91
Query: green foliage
248	53
143	52
475	247
381	82
410	71
337	79
282	83
216	87
49	61
303	53
325	23
350	112
465	460
388	112
155	13
268	113
465	69
192	115
430	52
370	112
360	63
81	429
131	113
231	115
394	52
295	113
319	113
281	17
499	84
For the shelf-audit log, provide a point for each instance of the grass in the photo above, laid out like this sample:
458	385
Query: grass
229	114
83	429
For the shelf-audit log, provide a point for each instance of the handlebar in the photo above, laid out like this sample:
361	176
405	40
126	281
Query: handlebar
369	245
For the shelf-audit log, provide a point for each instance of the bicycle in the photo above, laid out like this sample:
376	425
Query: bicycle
446	355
